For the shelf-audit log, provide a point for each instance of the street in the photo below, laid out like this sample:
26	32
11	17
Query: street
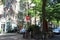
12	37
19	37
56	37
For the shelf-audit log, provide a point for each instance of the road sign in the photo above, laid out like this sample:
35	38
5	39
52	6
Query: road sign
27	18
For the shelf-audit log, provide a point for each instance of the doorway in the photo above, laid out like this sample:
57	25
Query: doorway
3	28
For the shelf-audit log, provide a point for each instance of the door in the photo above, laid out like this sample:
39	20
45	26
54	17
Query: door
3	27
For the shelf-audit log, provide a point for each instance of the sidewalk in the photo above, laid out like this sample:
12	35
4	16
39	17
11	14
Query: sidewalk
7	34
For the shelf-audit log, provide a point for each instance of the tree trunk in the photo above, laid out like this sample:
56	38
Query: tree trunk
45	25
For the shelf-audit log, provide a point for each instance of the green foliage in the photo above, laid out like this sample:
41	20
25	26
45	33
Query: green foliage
31	12
53	12
3	1
37	7
38	4
49	13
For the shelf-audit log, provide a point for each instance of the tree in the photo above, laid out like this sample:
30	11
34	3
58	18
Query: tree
45	27
57	12
38	8
53	12
44	20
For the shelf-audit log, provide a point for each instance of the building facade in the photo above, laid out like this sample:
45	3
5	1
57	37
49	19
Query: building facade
8	13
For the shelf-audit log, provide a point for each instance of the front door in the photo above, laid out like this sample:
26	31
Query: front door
3	28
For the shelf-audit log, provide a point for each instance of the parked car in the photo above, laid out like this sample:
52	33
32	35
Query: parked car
56	30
